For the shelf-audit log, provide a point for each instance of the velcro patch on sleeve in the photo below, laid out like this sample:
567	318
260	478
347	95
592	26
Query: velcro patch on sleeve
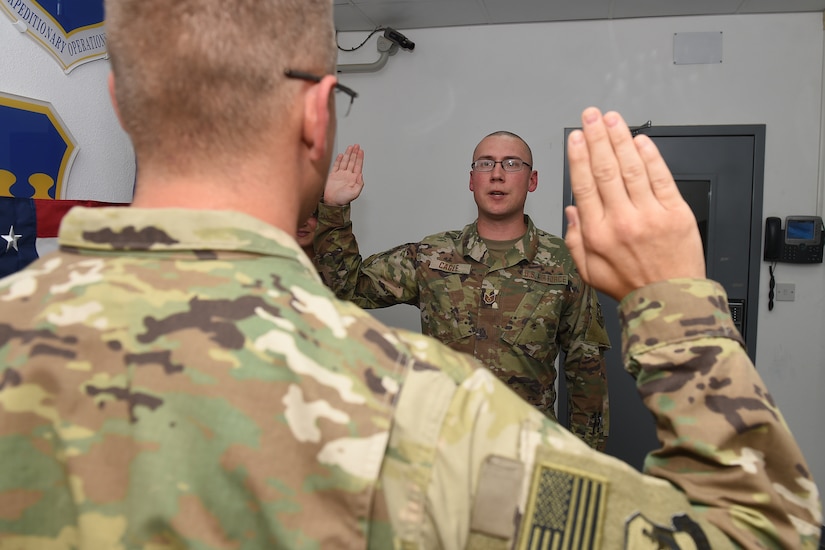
565	509
496	502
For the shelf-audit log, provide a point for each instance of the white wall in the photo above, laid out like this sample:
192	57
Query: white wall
421	115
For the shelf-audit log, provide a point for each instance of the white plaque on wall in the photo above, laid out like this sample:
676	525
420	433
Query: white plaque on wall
690	48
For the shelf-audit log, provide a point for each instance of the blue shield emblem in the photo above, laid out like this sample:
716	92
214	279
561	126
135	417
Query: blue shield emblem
40	150
72	16
72	31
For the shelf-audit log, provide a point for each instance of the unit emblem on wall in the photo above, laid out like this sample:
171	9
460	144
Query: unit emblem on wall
71	31
38	152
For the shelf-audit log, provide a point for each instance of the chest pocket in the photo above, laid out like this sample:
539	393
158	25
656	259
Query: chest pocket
532	310
447	297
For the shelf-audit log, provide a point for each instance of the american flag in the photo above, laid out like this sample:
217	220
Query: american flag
566	511
28	228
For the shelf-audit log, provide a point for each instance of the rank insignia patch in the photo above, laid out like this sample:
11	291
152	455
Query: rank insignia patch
565	511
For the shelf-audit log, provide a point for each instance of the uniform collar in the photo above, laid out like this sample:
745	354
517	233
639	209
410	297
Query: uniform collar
472	245
174	230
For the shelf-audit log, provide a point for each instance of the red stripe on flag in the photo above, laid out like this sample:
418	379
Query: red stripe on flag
50	213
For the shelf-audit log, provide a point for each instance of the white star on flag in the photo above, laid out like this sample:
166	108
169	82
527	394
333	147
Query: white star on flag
30	226
11	239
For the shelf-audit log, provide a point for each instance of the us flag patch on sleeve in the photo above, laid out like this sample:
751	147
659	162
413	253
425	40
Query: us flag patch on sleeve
565	509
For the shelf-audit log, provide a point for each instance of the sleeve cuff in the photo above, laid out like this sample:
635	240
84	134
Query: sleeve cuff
333	216
673	311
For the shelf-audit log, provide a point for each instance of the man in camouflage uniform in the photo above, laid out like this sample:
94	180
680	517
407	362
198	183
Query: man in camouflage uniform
177	376
500	289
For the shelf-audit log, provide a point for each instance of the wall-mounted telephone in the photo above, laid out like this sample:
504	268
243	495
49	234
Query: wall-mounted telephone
800	242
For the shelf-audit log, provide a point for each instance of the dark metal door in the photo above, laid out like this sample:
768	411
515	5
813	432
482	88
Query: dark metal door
719	171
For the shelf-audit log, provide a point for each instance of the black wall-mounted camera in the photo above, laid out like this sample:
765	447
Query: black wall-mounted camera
398	38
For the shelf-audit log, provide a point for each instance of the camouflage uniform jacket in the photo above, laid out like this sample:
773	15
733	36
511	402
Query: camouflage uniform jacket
183	379
512	315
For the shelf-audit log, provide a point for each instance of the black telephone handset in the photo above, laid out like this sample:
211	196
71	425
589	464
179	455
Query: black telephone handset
800	242
773	239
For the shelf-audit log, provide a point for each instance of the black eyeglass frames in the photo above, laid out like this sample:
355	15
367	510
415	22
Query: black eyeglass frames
300	75
508	165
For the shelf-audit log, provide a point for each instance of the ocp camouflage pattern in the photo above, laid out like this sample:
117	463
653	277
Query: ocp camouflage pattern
512	315
690	366
183	379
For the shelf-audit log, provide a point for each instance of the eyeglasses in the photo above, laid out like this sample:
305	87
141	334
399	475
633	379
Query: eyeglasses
300	75
508	165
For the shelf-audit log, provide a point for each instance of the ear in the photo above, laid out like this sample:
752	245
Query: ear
317	117
472	187
534	181
113	98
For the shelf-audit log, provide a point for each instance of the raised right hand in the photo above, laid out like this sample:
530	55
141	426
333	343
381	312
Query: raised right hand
346	179
630	226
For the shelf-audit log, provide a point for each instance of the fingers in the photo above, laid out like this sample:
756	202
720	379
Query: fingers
630	226
350	161
336	166
574	240
604	163
647	179
661	180
582	182
632	167
621	168
358	166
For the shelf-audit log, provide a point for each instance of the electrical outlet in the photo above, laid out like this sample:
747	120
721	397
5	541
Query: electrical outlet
785	292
